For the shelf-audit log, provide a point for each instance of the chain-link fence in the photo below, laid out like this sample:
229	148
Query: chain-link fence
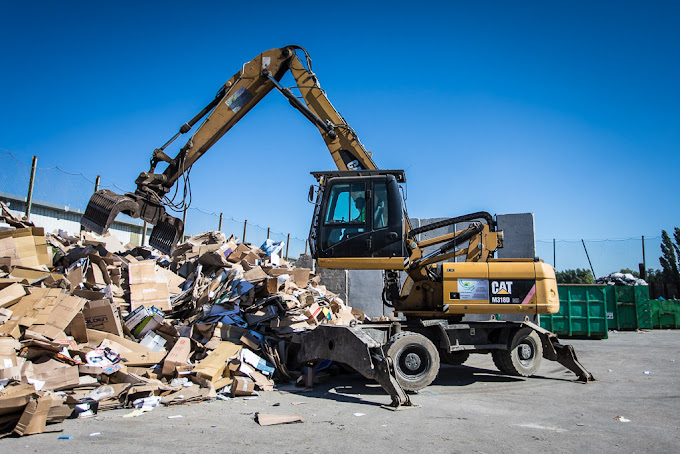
601	256
72	189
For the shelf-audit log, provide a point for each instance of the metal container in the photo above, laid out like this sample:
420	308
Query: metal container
628	307
583	312
665	314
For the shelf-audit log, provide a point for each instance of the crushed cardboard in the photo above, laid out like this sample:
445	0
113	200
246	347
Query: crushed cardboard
80	313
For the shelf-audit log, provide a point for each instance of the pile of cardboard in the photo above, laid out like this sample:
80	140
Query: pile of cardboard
88	324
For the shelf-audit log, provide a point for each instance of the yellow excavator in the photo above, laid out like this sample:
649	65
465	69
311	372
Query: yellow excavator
360	222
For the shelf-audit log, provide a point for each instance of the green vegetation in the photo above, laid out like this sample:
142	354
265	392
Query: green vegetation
670	252
577	276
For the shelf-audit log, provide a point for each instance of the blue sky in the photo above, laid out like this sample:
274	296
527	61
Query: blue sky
564	109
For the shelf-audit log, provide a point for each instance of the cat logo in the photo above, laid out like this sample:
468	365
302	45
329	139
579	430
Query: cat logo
501	287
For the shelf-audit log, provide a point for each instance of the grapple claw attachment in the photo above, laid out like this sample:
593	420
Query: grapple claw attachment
103	207
166	234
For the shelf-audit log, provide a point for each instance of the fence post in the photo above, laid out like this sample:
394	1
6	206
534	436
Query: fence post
267	232
29	199
144	233
96	183
644	262
245	230
219	227
305	247
287	245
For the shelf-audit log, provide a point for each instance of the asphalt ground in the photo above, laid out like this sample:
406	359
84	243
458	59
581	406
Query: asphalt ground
468	409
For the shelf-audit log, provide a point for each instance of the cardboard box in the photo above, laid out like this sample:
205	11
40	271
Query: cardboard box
178	356
102	316
55	374
30	274
143	359
29	247
212	366
8	347
143	272
11	294
301	276
238	252
255	274
14	398
242	386
153	294
34	417
5	314
146	287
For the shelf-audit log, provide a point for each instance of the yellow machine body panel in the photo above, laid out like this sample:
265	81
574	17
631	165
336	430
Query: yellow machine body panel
500	287
362	263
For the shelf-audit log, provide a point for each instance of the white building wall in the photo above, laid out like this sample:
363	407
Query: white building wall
56	217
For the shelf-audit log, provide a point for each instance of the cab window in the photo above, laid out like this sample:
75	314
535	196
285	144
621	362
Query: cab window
380	206
345	213
347	204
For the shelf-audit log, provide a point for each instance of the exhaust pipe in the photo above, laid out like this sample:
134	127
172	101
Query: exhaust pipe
104	206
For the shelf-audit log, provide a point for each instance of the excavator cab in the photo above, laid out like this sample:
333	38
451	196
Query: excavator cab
358	220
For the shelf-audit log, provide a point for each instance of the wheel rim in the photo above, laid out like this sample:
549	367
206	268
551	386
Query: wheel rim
413	361
526	353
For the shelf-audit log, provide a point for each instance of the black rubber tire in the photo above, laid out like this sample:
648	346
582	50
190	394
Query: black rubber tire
524	355
454	358
415	359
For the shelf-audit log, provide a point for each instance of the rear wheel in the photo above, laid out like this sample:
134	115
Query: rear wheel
523	356
454	358
415	359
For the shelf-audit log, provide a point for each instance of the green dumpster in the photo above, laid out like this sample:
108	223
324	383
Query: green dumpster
628	307
665	314
583	312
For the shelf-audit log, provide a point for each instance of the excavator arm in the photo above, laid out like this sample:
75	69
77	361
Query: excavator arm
233	100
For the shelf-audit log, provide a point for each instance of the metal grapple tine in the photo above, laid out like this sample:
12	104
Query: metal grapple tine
166	234
102	209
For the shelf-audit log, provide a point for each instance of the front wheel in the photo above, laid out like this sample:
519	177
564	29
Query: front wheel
415	359
523	356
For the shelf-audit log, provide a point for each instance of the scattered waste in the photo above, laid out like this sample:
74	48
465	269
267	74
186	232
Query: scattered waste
94	434
622	419
647	372
359	414
175	416
620	279
88	324
66	437
270	420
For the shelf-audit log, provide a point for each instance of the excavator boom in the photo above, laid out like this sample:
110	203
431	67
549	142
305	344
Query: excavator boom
233	100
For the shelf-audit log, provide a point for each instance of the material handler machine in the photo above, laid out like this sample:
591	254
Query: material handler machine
360	222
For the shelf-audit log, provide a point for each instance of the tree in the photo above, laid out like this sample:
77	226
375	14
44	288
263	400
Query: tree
577	276
669	256
653	275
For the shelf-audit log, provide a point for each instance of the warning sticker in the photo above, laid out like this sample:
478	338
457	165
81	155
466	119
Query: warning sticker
473	289
239	99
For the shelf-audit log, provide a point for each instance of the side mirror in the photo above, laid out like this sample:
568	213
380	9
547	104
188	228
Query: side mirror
310	196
